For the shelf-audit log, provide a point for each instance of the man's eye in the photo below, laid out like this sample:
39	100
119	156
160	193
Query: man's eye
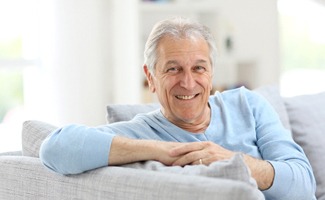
172	69
199	69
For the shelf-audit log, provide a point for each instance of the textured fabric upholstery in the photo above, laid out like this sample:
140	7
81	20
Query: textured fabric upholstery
33	134
142	180
234	168
121	112
307	118
26	178
11	153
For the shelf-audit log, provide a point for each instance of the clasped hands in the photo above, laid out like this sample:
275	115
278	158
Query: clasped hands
194	153
124	150
181	154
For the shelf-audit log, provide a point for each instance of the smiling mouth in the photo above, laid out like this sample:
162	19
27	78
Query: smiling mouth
186	97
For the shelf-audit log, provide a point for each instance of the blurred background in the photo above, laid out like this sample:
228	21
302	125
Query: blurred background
63	61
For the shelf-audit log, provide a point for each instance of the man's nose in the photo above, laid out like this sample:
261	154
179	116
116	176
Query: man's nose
187	80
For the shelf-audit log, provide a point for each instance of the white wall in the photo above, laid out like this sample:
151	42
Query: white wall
126	65
253	26
72	83
256	37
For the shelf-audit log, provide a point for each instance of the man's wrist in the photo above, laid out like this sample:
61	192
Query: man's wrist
124	150
262	171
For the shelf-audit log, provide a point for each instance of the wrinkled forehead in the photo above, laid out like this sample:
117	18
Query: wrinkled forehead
186	46
195	36
180	43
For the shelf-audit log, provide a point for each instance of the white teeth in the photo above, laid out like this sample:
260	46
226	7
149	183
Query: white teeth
185	97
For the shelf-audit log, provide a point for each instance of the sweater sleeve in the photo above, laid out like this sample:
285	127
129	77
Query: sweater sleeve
74	149
294	177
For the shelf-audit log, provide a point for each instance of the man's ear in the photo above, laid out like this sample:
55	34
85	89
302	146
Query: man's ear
149	78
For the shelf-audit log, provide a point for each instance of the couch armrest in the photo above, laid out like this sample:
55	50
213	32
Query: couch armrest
26	178
11	153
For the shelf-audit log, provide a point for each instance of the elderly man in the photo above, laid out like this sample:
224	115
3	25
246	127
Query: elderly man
191	127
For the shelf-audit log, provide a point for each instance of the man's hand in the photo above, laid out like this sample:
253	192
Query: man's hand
208	152
199	153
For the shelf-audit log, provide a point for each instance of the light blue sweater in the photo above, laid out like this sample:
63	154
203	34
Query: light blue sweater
241	120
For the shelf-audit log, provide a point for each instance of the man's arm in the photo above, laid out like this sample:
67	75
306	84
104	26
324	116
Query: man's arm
262	171
74	149
124	150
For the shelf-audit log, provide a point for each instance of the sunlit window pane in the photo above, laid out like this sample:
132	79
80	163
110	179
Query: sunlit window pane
18	51
11	108
18	35
302	34
11	48
11	87
11	29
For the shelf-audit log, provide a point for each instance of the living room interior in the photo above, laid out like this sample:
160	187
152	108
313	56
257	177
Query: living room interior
62	62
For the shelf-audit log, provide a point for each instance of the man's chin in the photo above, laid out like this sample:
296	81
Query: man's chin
188	118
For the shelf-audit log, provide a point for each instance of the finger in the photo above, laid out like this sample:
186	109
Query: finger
198	162
202	161
185	149
189	158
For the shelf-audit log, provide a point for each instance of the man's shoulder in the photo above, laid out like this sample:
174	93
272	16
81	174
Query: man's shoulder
148	116
237	96
233	93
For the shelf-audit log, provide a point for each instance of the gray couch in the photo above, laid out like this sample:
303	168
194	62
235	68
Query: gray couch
22	176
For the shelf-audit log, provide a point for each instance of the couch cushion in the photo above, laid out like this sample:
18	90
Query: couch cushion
307	118
33	134
234	169
11	153
26	178
125	112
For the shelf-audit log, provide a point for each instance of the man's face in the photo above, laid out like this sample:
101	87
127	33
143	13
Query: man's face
183	79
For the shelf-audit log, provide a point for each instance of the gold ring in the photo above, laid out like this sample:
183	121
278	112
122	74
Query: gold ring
200	161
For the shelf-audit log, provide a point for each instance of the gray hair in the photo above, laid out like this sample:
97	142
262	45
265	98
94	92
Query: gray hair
177	28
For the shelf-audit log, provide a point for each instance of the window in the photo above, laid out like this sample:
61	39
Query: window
302	43
18	51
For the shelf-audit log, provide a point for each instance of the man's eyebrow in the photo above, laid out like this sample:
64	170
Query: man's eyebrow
171	62
201	61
